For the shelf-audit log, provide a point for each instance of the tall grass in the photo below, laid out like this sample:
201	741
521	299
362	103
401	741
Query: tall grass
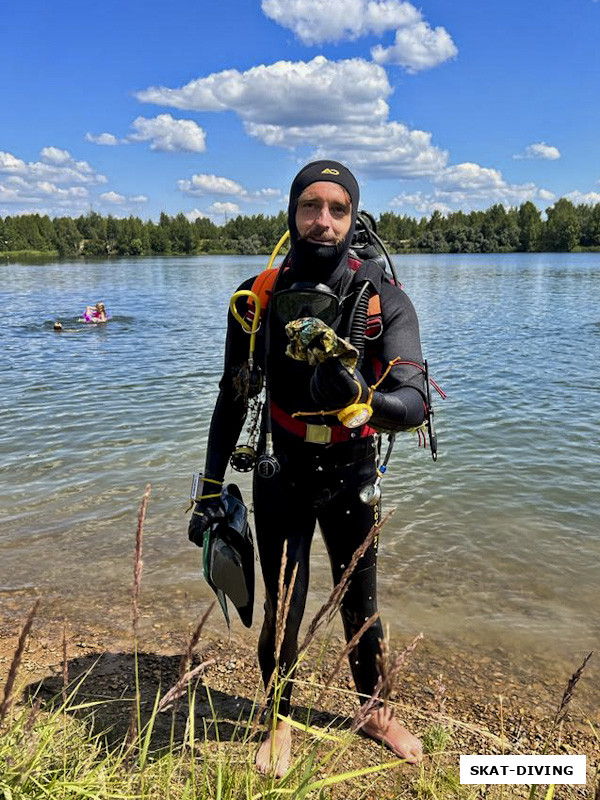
54	749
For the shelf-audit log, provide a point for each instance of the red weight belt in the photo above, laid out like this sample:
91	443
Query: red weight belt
339	433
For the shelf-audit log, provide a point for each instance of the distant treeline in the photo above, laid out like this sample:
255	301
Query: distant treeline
566	227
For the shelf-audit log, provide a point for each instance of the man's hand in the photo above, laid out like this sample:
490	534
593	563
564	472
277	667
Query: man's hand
333	387
204	514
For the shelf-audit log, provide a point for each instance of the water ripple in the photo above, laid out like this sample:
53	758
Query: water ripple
499	541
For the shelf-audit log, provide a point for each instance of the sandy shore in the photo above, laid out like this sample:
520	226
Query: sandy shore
486	699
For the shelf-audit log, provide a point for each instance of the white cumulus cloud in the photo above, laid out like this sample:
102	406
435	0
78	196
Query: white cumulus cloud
469	186
55	183
417	47
107	139
588	198
19	191
420	202
113	198
217	185
56	165
117	199
47	188
211	184
387	149
11	164
337	108
224	208
540	150
195	214
469	176
267	194
287	93
54	155
314	21
168	134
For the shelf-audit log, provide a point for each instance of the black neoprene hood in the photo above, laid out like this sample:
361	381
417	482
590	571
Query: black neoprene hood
331	171
311	261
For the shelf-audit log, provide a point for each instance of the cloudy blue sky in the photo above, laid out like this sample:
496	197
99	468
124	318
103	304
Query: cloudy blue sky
136	107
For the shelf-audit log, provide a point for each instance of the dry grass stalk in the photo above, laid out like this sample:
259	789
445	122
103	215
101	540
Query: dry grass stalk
345	653
65	665
29	740
284	601
333	602
138	561
179	689
186	658
185	674
8	698
283	613
280	595
138	564
563	708
387	679
132	733
397	663
31	718
439	693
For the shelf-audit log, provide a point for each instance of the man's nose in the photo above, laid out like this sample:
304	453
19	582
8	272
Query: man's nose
324	217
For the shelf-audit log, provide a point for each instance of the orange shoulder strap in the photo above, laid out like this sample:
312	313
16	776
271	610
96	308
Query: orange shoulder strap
263	288
374	305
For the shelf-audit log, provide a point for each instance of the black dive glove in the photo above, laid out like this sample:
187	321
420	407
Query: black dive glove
204	514
333	387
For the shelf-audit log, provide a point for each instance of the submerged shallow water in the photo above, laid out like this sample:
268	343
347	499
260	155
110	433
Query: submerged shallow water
496	545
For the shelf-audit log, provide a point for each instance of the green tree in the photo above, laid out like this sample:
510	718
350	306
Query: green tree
530	227
182	235
159	239
562	229
68	239
589	221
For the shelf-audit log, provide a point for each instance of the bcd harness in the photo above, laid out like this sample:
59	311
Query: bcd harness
263	289
368	277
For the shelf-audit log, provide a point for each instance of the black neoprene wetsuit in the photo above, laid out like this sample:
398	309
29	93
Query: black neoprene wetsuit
320	482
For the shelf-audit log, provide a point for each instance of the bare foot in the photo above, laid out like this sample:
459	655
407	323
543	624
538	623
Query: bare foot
273	757
383	727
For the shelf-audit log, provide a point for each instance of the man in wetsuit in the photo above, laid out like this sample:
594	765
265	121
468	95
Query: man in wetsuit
323	464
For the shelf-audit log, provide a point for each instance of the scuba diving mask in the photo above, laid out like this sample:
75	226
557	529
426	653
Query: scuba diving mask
307	300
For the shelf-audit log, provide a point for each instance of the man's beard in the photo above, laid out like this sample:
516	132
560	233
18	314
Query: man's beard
317	261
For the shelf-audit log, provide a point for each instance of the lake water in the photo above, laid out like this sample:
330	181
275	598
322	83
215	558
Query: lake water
495	545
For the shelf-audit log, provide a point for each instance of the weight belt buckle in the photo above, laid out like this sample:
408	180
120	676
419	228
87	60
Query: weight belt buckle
317	434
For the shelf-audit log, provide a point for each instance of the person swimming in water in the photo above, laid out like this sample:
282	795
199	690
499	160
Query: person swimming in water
95	313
